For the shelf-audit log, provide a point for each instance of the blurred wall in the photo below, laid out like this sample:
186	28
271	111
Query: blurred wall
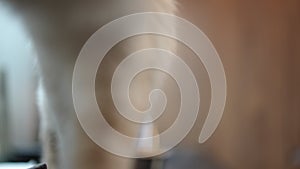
259	44
16	61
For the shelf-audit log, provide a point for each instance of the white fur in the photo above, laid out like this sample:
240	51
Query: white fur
59	29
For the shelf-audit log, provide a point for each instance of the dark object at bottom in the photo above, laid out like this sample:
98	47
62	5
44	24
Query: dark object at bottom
40	166
143	164
179	159
150	163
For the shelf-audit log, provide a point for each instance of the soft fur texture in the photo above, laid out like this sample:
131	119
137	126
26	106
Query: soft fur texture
59	29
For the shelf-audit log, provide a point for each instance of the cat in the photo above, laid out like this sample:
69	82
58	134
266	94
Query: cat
59	29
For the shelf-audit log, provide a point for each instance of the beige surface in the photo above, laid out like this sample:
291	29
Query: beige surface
258	42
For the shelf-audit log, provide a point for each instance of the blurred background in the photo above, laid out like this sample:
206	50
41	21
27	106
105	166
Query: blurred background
18	110
259	44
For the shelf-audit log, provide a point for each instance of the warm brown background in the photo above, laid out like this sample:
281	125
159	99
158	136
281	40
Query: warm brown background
259	44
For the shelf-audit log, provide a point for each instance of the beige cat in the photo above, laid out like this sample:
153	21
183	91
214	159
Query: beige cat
59	29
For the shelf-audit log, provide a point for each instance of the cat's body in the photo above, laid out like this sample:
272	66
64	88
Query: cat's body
59	29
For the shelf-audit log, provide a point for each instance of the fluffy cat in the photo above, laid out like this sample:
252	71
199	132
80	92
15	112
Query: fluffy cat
59	29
